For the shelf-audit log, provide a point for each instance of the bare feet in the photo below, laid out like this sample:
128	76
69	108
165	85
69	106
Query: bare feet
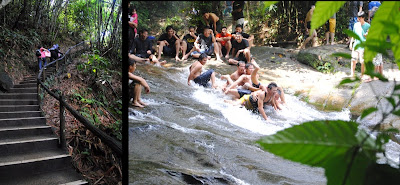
177	59
214	86
163	62
140	102
366	79
137	104
219	60
208	57
227	56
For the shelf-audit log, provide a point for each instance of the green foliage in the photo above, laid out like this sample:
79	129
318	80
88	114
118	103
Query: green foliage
326	67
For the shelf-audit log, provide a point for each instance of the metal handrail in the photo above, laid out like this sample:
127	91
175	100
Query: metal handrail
115	145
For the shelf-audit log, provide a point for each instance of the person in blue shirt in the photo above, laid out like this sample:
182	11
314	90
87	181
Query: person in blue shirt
357	54
372	7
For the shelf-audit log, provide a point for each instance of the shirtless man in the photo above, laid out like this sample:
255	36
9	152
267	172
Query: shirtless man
213	22
257	99
201	78
244	81
241	69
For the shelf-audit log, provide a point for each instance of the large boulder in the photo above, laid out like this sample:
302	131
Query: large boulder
5	82
321	58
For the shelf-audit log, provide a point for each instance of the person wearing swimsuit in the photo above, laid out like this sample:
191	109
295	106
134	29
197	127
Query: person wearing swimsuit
258	99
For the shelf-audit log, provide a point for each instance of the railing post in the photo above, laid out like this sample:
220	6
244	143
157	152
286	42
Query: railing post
44	73
57	65
62	122
38	93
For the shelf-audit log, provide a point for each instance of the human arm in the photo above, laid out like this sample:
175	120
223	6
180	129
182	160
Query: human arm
215	19
141	80
260	103
213	37
282	96
176	36
193	72
163	38
351	43
246	45
234	84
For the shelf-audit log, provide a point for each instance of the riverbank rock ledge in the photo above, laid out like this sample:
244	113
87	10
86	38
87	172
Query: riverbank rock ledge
317	57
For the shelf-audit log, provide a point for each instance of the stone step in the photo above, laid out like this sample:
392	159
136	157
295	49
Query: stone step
11	134
21	123
33	145
27	85
31	155
60	177
19	114
15	108
18	96
29	81
18	102
23	90
24	121
24	170
24	139
30	78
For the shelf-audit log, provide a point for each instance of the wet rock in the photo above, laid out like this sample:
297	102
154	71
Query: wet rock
5	81
317	57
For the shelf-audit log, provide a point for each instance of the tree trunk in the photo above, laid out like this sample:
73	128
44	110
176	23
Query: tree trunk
20	14
248	14
109	17
116	25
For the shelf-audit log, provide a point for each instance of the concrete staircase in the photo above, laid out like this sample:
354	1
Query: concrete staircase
28	147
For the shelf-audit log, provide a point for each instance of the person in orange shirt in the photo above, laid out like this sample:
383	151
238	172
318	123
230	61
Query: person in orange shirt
224	41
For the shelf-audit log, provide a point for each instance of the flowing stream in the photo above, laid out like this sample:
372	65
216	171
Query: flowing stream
189	135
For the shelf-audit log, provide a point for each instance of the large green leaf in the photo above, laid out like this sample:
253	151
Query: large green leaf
315	142
323	11
387	12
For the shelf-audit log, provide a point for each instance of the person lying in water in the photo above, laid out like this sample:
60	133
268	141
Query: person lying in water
258	99
251	85
201	78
